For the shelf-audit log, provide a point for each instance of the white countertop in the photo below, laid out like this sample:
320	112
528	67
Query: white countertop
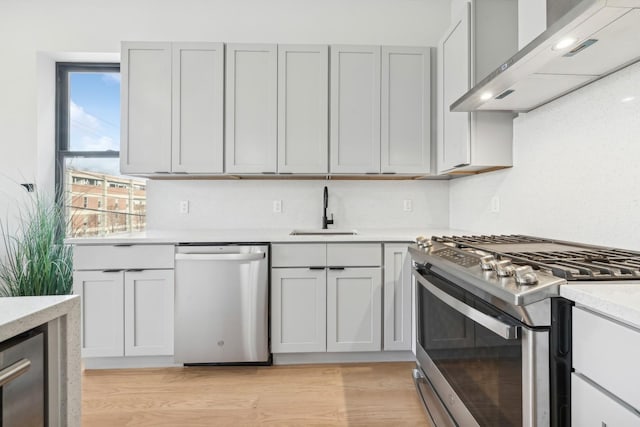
619	301
19	314
260	235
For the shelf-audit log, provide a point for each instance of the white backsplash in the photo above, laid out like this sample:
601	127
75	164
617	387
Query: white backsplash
575	171
249	204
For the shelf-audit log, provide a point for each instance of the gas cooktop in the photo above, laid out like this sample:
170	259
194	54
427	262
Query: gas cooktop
570	261
521	269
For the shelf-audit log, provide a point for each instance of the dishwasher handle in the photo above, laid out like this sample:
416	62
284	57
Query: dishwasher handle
221	257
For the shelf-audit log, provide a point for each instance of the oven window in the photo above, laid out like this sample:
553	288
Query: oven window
484	369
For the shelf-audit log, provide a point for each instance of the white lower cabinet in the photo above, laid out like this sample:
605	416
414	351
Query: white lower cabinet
397	307
591	407
298	310
604	384
354	309
329	297
148	312
127	295
126	313
102	307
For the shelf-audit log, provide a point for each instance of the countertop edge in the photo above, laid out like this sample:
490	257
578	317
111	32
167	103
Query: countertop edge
32	318
618	302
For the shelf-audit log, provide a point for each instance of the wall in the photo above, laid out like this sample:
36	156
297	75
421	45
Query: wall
37	32
248	204
575	173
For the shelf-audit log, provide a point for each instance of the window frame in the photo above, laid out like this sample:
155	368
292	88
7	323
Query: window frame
62	117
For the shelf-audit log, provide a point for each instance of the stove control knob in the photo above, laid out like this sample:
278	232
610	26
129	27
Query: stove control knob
487	262
525	275
423	242
504	268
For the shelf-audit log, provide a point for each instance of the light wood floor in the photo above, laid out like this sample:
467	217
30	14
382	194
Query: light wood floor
349	394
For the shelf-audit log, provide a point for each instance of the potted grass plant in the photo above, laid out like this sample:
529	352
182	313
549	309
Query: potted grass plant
36	260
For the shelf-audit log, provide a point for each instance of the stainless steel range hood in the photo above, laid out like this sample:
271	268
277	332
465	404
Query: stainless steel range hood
593	39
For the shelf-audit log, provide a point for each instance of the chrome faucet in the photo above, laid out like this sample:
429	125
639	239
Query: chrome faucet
325	220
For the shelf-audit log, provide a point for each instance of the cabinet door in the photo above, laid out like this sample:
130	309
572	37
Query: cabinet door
354	306
298	310
198	101
355	109
148	312
303	116
454	80
397	298
406	110
145	145
102	312
593	407
251	108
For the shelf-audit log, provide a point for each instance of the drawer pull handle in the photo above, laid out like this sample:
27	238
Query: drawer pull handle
111	271
336	268
13	371
316	268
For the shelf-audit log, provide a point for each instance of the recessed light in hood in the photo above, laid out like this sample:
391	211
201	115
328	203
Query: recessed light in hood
595	38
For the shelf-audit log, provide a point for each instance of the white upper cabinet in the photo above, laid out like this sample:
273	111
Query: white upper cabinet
303	115
198	102
251	108
172	108
471	48
455	80
145	108
355	109
406	110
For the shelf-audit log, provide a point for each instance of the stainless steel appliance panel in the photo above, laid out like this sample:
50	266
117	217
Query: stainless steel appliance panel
222	304
493	375
22	381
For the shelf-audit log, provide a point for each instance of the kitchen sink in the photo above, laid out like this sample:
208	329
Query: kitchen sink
321	232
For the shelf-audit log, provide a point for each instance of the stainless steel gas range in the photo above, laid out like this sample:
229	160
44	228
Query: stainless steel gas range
493	335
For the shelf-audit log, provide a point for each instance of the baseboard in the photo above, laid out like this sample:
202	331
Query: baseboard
355	357
129	362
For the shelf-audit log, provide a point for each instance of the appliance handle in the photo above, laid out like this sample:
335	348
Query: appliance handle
506	331
221	257
13	371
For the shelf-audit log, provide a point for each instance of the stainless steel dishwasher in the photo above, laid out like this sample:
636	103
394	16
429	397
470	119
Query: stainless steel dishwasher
221	304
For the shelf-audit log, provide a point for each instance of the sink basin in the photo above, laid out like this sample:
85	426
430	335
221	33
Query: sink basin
320	232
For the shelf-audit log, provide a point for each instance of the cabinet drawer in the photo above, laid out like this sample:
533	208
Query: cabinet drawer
102	257
354	254
299	255
607	352
592	407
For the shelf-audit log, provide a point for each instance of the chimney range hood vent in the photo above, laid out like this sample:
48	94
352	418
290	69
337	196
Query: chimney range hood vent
595	38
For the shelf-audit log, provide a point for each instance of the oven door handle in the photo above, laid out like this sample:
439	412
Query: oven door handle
506	331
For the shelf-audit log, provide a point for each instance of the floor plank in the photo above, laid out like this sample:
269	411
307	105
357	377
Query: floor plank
339	395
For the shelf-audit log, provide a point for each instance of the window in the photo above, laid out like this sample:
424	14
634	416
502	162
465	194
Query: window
88	151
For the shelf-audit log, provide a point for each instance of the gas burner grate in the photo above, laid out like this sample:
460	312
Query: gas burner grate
572	261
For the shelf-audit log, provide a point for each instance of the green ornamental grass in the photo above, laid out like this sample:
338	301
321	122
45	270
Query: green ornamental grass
37	262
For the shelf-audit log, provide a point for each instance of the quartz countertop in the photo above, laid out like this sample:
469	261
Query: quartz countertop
619	301
19	314
260	235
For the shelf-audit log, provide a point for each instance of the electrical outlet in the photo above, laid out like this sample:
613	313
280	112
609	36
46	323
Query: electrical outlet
184	207
408	205
277	206
495	204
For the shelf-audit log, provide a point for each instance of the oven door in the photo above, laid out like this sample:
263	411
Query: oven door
486	367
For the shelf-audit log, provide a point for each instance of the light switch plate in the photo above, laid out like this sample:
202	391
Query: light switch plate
184	207
277	206
408	205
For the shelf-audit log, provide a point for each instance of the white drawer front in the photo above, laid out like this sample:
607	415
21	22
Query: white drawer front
590	407
354	254
607	353
102	257
299	255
